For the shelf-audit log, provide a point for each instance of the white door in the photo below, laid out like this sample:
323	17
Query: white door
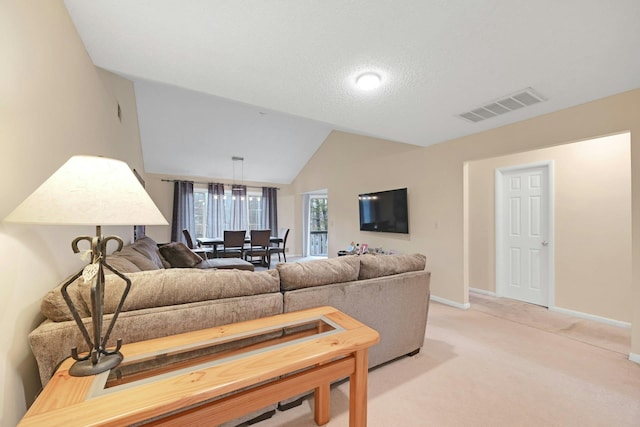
523	234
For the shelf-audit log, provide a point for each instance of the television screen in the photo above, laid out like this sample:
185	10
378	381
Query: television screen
384	211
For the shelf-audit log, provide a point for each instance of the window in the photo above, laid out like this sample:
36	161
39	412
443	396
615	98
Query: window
255	210
318	225
318	217
200	203
200	211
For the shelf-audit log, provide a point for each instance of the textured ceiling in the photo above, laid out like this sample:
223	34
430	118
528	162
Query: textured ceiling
206	71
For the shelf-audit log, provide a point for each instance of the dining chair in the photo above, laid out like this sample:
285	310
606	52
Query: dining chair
233	244
283	233
259	247
205	253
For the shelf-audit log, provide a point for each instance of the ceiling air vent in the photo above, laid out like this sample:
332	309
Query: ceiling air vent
520	99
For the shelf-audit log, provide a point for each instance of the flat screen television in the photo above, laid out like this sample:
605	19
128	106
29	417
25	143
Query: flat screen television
384	211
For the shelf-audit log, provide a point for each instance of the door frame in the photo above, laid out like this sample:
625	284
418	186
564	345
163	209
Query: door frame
501	226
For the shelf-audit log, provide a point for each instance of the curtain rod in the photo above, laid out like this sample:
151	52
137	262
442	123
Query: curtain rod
207	183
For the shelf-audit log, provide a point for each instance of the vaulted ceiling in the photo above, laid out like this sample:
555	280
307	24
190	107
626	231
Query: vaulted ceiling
269	80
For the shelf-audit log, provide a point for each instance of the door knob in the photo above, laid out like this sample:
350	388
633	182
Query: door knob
545	243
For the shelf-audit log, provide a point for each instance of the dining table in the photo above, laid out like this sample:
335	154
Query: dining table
214	242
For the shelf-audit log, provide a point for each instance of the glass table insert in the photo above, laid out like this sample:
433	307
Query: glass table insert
158	365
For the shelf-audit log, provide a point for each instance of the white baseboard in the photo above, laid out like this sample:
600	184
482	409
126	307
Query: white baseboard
451	303
588	316
482	291
634	357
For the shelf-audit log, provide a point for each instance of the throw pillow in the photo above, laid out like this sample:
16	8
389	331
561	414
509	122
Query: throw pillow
137	258
120	263
149	248
179	255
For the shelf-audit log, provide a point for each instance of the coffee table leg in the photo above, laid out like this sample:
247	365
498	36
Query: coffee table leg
322	399
358	391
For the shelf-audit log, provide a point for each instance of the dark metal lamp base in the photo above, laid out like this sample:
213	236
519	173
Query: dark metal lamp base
84	368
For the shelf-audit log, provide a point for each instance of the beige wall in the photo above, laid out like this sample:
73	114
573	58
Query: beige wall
592	242
348	164
53	104
342	162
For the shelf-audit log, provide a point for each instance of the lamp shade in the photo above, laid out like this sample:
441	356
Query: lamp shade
89	190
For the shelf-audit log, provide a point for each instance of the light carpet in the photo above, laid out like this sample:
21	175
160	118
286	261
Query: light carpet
500	363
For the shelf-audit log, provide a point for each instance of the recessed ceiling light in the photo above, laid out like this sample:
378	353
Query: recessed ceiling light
368	81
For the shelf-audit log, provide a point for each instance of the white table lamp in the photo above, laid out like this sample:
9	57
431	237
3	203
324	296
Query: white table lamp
89	190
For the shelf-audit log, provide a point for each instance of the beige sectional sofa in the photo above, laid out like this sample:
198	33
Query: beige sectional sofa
390	293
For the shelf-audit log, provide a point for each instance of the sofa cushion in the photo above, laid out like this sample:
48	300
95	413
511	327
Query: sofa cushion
386	265
297	275
54	307
149	248
122	264
182	285
137	258
179	255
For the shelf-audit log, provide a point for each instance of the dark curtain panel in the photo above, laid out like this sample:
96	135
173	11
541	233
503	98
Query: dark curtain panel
270	209
183	217
139	231
239	207
215	210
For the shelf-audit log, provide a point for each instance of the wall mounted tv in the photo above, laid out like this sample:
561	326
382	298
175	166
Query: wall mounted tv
384	211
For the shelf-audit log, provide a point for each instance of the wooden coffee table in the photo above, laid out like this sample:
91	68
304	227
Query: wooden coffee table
214	375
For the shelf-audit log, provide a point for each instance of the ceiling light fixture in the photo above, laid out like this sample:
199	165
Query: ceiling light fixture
235	159
368	81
